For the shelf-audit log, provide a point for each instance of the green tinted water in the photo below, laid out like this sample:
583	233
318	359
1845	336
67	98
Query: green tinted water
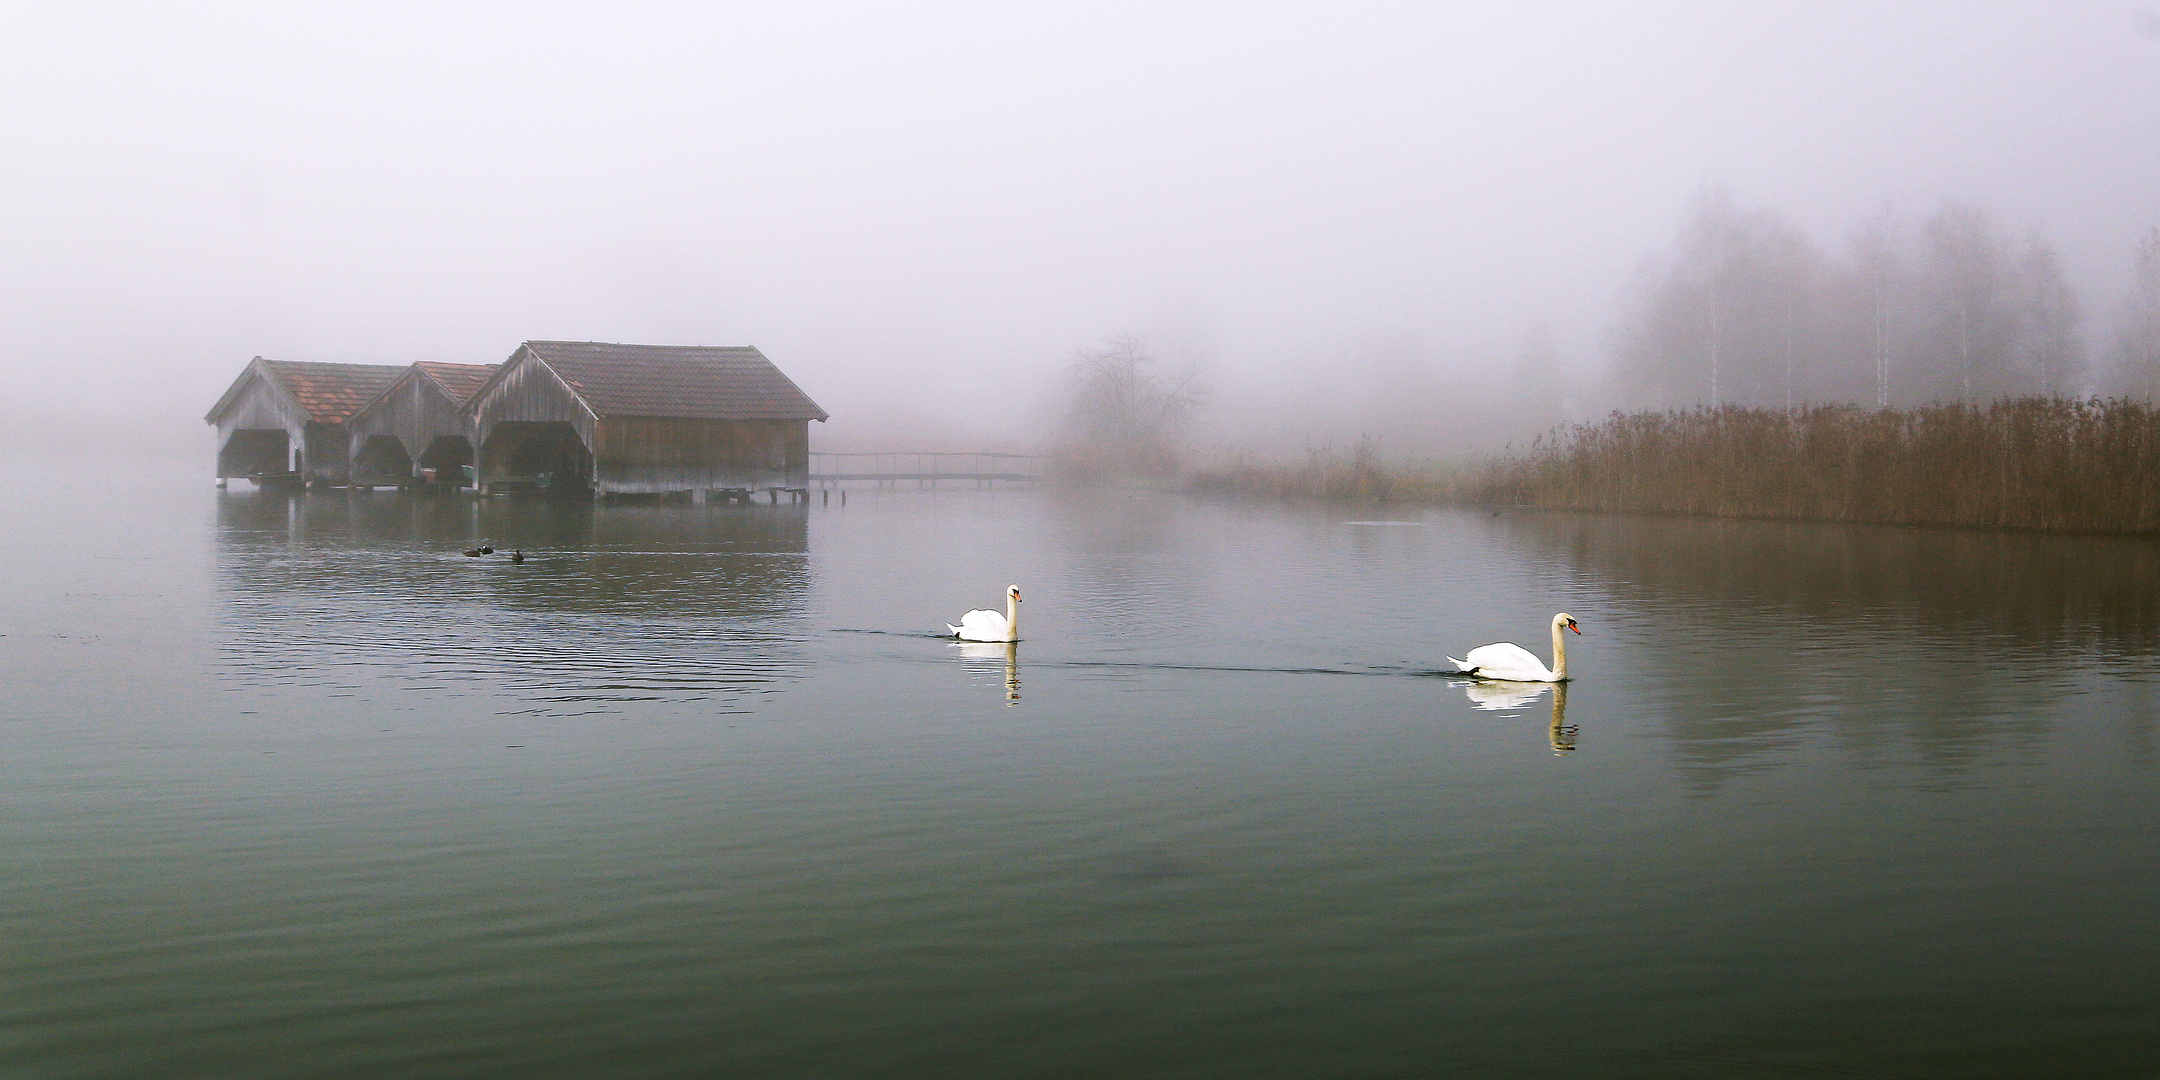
294	789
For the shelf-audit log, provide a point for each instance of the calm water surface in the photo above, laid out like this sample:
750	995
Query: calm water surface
293	789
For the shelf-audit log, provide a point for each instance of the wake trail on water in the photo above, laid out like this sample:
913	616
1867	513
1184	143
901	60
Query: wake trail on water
1153	665
1373	672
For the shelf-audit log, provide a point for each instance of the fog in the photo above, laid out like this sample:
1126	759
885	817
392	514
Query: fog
1355	219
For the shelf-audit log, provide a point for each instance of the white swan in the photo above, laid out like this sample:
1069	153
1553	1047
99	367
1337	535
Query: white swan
1509	662
983	624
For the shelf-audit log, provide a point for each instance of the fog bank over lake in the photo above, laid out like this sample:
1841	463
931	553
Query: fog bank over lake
922	214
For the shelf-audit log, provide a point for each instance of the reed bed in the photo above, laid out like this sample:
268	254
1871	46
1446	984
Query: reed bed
2031	463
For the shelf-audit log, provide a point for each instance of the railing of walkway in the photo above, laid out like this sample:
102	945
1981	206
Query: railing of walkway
927	468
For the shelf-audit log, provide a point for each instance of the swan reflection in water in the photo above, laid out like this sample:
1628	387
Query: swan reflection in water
982	657
1506	696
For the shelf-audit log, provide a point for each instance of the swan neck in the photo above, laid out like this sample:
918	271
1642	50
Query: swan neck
1559	651
1012	618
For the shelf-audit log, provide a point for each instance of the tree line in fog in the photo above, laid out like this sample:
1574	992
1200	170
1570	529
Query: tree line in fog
1748	310
1745	311
1940	371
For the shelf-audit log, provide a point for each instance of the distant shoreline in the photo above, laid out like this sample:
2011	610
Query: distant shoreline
2044	464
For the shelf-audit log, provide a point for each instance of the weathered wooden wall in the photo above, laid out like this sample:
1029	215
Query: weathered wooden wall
648	454
525	393
261	406
416	412
630	454
528	392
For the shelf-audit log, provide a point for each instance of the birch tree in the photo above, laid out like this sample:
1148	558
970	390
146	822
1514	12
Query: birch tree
2049	347
2137	352
1878	272
1732	318
1970	314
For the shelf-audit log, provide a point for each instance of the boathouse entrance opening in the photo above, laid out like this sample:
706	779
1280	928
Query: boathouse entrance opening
382	459
536	455
446	457
252	451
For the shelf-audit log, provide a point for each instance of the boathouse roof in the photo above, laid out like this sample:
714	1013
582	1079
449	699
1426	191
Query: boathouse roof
702	382
457	380
330	393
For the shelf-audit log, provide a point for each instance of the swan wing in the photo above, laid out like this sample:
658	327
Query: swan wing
1508	662
981	624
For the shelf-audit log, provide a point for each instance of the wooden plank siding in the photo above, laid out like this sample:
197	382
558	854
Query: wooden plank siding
259	404
415	411
653	454
607	400
308	402
518	395
563	417
529	393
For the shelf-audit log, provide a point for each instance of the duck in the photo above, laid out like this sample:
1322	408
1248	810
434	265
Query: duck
1509	662
983	624
517	556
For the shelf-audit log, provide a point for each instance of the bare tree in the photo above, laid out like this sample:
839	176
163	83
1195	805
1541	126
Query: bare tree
1126	416
1733	318
2137	352
1747	311
2048	343
1971	313
1878	273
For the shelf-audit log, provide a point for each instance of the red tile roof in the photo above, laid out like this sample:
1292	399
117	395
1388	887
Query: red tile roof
331	393
459	380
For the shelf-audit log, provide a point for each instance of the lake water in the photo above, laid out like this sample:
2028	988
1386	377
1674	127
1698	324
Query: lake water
292	788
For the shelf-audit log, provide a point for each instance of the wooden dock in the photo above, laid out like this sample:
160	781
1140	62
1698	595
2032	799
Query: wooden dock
888	468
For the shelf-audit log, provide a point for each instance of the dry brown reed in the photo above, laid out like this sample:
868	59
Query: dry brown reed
2031	463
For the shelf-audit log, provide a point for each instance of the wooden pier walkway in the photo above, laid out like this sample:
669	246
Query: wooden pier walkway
887	468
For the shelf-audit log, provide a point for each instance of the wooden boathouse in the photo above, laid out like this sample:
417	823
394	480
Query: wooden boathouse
417	430
284	421
593	418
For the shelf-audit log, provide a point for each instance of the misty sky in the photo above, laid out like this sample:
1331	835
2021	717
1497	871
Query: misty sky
921	211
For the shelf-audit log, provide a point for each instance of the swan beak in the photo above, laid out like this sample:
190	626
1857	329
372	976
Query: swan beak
1574	627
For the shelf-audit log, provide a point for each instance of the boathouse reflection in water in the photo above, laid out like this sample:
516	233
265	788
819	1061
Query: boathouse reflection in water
328	586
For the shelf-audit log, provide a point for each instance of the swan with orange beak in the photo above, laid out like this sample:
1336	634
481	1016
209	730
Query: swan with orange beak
1509	662
983	624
